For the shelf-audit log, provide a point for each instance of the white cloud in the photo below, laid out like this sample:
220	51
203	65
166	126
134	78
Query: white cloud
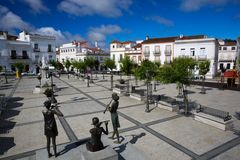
161	20
106	8
99	33
194	5
36	5
61	37
10	21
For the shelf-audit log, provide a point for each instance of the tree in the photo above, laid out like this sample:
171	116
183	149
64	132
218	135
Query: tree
147	71
203	70
110	63
90	63
179	72
127	65
56	64
67	65
19	67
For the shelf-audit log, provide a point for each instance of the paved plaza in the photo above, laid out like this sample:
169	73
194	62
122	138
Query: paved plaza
158	135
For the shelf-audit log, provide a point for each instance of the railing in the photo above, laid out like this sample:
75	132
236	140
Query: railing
158	53
19	57
36	49
168	53
50	50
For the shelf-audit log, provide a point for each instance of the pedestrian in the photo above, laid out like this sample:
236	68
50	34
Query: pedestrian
50	126
114	115
95	143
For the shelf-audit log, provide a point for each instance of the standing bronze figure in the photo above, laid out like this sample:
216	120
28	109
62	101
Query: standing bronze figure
112	107
50	126
95	143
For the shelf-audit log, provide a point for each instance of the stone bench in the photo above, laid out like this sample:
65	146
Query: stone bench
214	117
167	103
121	89
137	94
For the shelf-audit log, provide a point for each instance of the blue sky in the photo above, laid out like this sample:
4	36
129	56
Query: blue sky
107	20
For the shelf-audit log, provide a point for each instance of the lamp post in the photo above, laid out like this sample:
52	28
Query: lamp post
147	102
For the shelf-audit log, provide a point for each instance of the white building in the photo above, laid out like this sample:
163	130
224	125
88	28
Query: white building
13	51
158	49
238	47
200	48
118	50
227	54
79	51
42	47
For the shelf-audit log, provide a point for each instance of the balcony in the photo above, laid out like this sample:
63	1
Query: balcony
168	53
36	49
14	59
157	53
202	57
146	54
50	50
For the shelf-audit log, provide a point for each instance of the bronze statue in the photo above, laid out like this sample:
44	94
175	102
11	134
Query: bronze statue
112	107
95	143
50	126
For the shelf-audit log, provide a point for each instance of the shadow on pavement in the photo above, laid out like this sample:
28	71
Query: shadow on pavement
121	148
5	144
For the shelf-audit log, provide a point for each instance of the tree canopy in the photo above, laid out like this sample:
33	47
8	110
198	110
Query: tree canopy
19	66
204	67
67	64
127	65
147	71
109	63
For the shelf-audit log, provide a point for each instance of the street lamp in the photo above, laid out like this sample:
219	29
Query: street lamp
147	102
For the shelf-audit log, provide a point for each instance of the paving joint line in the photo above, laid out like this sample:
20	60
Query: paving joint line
71	135
160	136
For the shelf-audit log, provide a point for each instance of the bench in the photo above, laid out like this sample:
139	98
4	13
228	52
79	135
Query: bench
137	94
214	117
120	89
167	103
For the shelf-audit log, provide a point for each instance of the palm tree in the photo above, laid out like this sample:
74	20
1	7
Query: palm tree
110	63
203	70
179	72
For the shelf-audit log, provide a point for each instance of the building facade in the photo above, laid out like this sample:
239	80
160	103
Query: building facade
158	49
118	50
80	51
200	48
227	55
13	51
43	48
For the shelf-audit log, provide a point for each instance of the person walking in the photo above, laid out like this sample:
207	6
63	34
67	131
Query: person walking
114	115
50	126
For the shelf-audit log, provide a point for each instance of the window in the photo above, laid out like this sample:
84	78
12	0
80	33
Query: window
192	50
225	48
202	51
113	46
35	46
24	55
157	49
139	59
233	48
183	51
50	57
63	60
221	66
228	66
49	48
13	54
220	48
146	51
121	57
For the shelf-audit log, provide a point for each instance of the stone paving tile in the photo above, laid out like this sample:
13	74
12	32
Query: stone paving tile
193	135
71	98
231	154
27	103
153	147
80	108
82	124
26	115
29	137
138	113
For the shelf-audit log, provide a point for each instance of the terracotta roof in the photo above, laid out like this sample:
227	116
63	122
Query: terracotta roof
230	43
139	45
172	39
126	42
159	40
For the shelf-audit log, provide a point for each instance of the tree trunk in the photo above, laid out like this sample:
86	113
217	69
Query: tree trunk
185	99
203	91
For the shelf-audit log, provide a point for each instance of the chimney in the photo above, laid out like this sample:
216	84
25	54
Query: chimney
181	36
147	37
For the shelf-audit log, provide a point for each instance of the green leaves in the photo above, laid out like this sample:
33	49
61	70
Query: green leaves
127	65
19	66
67	64
109	63
147	71
90	62
204	67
